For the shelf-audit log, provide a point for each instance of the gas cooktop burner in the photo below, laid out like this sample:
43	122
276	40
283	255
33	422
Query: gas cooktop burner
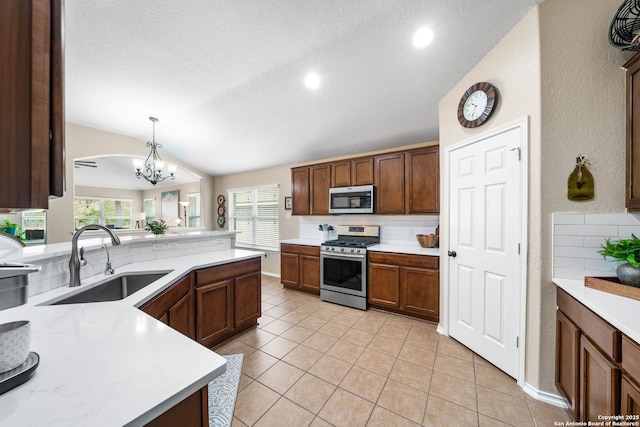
350	243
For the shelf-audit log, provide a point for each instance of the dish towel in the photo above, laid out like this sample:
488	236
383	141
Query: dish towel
223	392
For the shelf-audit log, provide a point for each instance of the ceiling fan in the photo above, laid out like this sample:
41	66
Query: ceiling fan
84	163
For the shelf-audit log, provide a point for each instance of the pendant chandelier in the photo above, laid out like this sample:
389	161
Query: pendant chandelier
152	168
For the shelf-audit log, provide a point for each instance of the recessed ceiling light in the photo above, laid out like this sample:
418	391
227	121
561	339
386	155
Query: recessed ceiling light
422	38
312	81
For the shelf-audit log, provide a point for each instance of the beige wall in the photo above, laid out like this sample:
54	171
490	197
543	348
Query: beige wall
183	196
282	177
82	142
557	69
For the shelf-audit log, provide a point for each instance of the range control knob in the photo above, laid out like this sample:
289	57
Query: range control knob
352	250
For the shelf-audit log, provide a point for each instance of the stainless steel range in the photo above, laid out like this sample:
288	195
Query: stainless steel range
343	265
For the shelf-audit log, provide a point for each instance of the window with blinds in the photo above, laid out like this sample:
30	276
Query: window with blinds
254	213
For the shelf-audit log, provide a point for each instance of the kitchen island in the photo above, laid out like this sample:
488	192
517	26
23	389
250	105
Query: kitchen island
109	363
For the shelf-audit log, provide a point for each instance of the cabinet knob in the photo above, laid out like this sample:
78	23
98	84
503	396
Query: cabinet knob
452	254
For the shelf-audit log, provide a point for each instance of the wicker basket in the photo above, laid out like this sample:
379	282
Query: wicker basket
427	240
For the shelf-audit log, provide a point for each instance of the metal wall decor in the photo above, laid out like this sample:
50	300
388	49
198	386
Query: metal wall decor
221	211
624	31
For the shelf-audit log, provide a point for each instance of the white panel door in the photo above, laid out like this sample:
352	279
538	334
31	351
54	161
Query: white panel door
484	260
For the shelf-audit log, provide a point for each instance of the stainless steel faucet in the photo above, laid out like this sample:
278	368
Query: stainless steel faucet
75	261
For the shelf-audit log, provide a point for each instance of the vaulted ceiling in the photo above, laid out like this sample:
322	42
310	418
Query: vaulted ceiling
226	78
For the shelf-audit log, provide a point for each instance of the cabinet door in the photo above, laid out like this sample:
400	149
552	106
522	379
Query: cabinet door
422	179
362	171
214	305
599	383
175	307
341	173
30	77
384	285
568	361
191	412
310	273
629	397
420	291
247	299
320	180
289	269
181	316
300	191
389	181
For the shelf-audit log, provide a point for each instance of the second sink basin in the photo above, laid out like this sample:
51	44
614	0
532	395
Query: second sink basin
112	289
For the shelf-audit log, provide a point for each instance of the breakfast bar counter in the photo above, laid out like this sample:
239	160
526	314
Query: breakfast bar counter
109	363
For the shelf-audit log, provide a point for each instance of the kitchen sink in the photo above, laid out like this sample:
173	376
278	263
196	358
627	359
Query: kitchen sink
112	289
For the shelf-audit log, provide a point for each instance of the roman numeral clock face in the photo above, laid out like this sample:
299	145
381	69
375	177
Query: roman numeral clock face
477	104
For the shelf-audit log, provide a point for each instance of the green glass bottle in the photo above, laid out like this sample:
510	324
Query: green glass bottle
580	184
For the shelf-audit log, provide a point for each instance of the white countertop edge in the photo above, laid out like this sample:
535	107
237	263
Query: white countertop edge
95	241
621	312
58	358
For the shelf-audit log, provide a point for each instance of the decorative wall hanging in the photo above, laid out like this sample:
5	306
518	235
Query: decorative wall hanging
221	211
580	184
624	31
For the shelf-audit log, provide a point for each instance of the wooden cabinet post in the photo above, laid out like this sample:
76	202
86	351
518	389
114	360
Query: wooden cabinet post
632	187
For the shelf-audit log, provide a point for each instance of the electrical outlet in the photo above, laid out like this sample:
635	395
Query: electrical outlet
219	241
158	247
173	245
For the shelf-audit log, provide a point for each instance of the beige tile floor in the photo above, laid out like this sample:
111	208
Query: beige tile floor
313	363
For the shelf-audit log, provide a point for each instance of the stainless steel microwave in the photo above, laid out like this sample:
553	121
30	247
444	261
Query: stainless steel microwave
351	200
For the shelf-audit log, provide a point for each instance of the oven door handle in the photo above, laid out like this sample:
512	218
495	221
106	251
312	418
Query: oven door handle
343	255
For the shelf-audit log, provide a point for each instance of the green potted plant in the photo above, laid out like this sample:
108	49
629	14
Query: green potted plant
157	227
11	228
626	251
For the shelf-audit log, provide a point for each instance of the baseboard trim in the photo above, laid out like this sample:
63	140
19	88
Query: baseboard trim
266	273
543	396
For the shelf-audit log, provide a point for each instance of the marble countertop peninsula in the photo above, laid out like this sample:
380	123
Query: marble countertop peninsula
106	364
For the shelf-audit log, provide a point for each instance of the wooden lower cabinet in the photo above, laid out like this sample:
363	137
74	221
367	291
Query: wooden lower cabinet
599	383
407	284
215	312
629	397
300	267
567	362
597	367
228	300
175	307
191	412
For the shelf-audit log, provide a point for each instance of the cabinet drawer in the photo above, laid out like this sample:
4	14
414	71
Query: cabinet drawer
225	271
631	358
420	261
300	249
599	332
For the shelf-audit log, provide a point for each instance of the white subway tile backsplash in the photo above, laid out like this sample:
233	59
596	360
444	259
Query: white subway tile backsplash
569	241
568	218
586	230
612	219
577	239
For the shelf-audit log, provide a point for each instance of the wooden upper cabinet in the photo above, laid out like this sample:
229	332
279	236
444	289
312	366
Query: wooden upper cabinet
422	179
320	183
352	172
31	102
341	173
300	200
389	182
632	187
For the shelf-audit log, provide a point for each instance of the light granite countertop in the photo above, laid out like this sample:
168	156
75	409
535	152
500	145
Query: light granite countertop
623	313
106	364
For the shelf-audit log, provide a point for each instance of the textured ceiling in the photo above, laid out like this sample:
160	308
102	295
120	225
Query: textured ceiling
225	78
